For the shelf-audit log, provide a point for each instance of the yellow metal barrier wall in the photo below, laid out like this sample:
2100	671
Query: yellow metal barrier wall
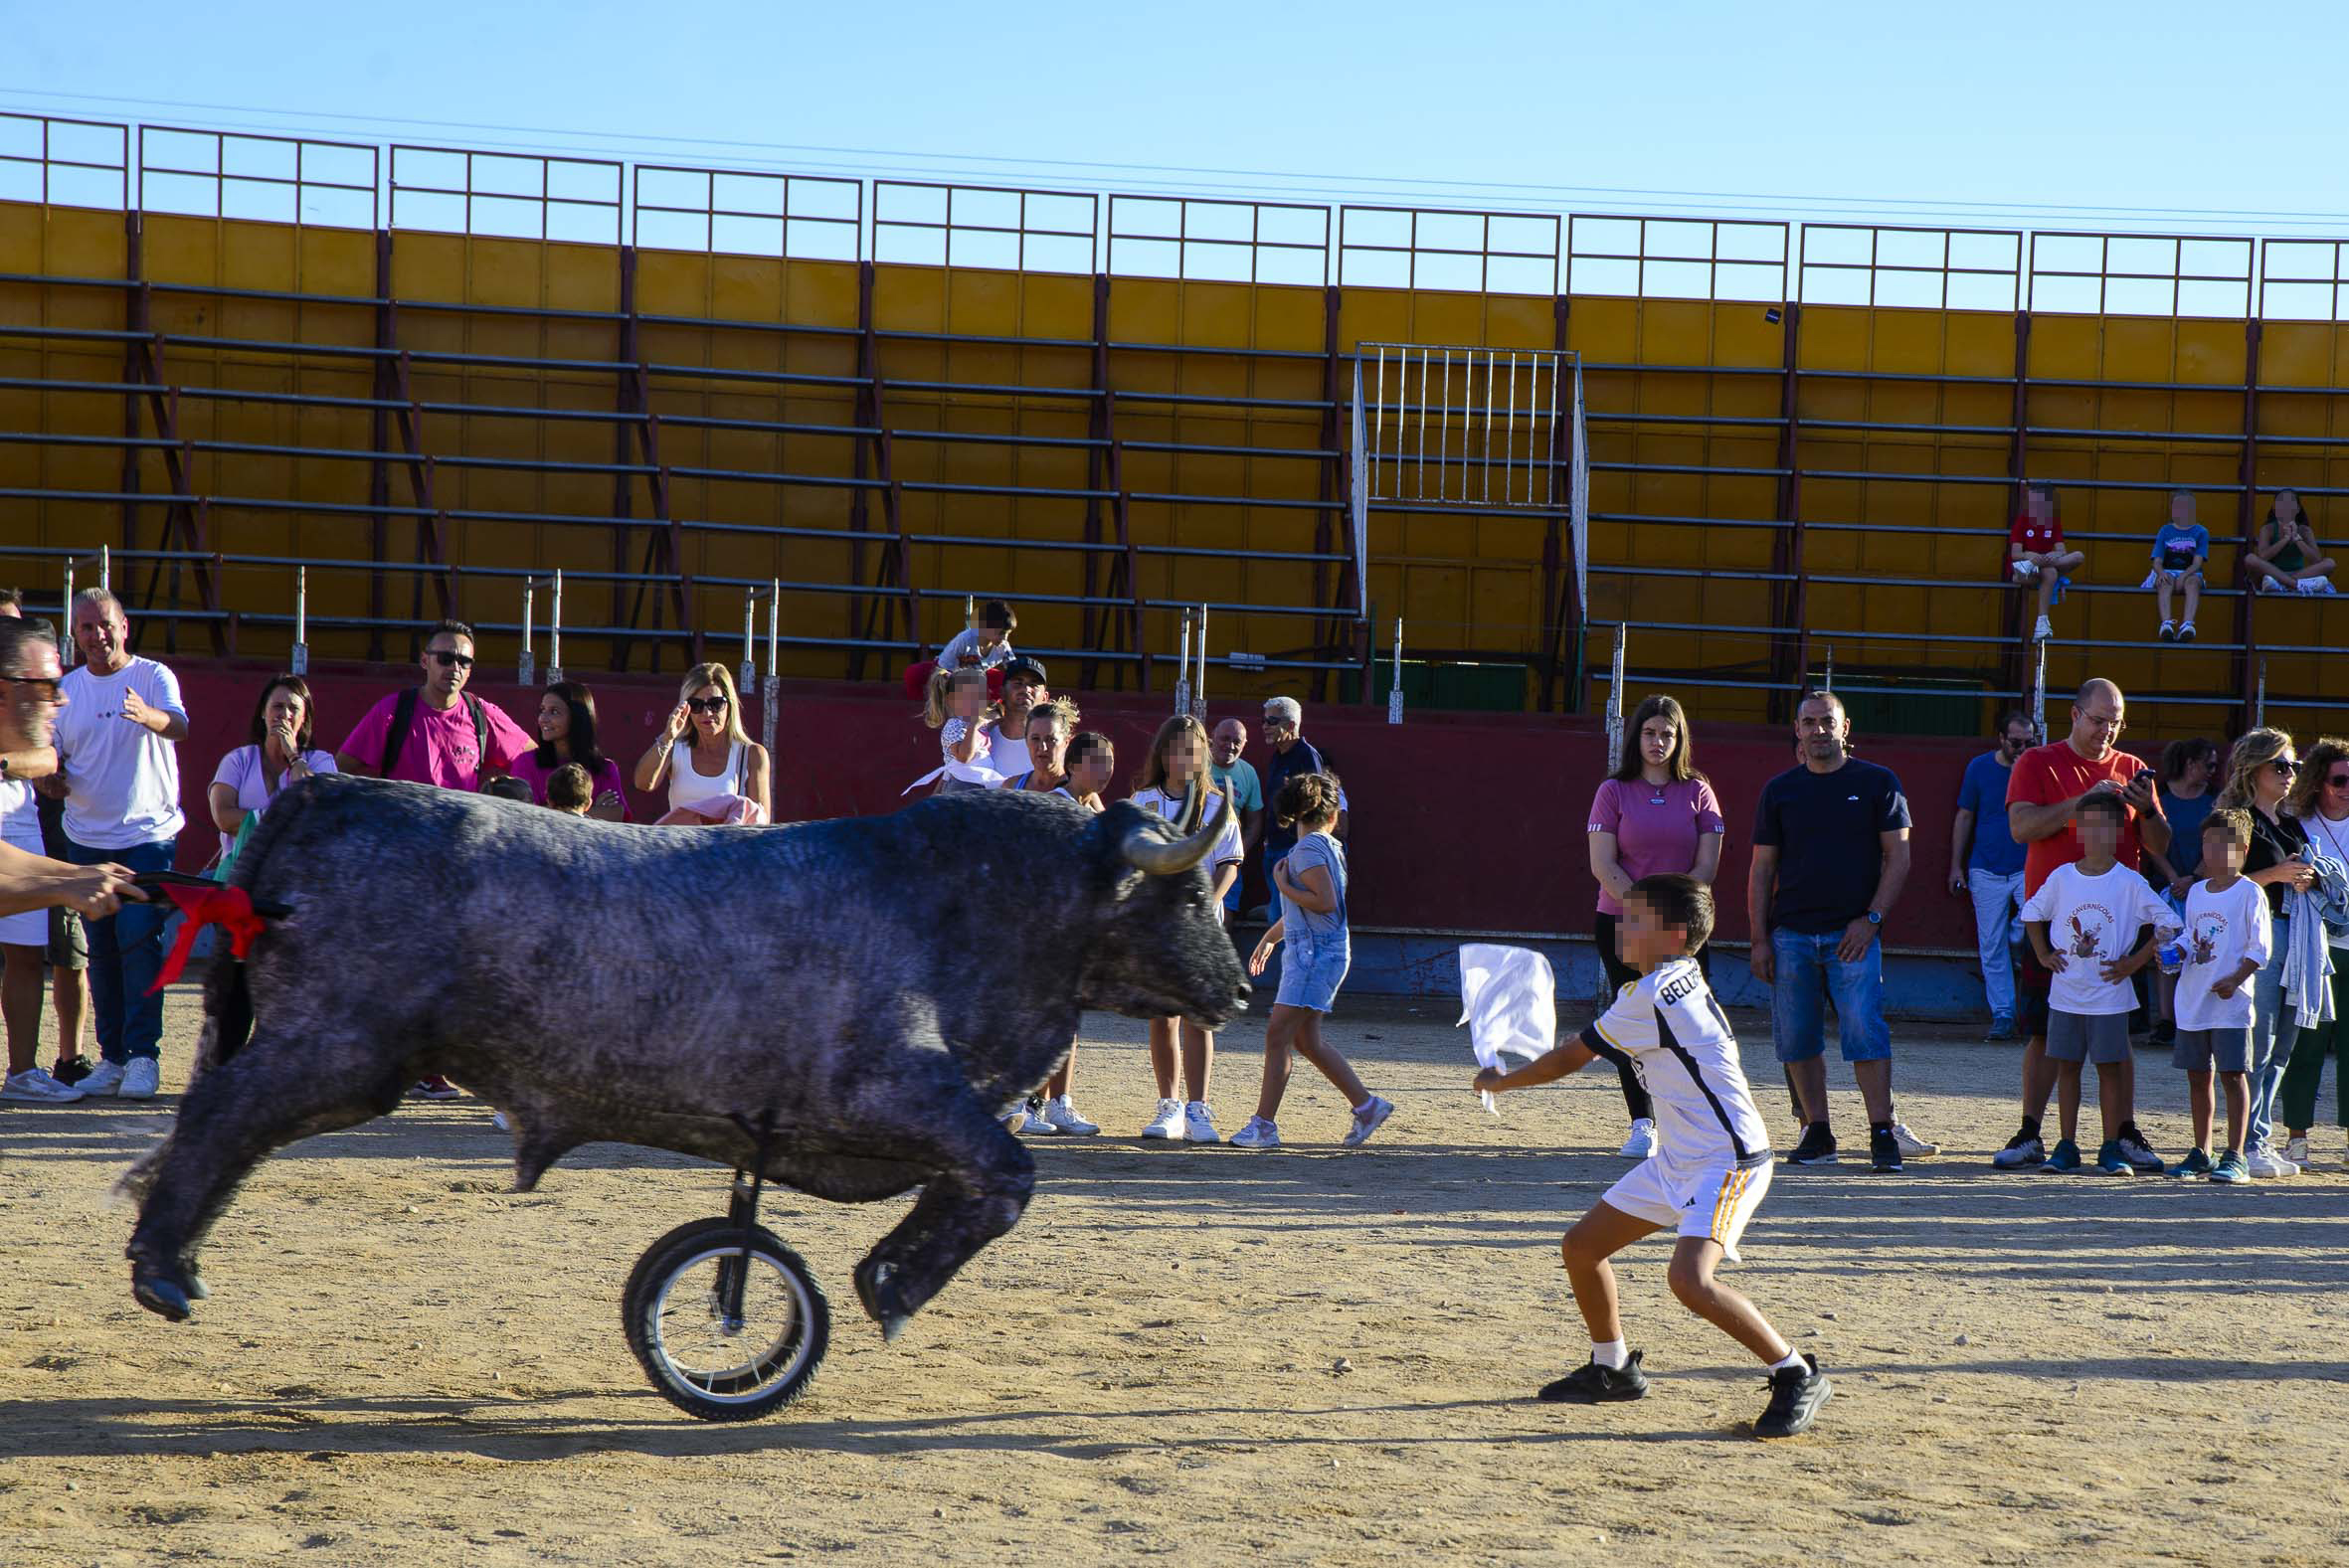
1467	581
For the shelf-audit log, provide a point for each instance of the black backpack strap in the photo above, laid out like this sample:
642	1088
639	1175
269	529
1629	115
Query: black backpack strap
480	738
396	739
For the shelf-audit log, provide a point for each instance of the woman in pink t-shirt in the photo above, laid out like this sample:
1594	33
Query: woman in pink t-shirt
567	734
1656	814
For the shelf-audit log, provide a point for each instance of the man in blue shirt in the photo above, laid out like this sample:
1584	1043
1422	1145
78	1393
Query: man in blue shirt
1985	860
1830	855
2181	548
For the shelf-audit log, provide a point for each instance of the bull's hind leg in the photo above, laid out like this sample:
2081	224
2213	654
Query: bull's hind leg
267	1096
982	1178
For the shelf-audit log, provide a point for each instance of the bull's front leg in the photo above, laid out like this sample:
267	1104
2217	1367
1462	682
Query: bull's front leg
983	1179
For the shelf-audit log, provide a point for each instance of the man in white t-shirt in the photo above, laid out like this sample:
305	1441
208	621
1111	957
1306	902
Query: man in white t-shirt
117	744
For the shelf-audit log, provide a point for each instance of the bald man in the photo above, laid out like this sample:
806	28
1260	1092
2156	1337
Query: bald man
1231	773
2043	797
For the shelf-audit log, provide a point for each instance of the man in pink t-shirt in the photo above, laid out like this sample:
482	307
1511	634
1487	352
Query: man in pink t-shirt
454	741
449	731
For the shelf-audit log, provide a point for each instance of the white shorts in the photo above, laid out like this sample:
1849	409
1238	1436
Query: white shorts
1712	1201
27	930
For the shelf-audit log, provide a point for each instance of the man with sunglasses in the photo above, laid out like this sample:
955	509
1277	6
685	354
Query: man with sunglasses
117	733
2042	795
437	734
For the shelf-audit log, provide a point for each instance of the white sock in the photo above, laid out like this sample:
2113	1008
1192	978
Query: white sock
1610	1354
1793	1359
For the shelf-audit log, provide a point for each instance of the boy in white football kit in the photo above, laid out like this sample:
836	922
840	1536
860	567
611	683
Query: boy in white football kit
1708	1173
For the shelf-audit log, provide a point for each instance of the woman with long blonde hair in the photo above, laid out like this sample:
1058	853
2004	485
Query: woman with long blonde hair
1175	767
716	774
2260	774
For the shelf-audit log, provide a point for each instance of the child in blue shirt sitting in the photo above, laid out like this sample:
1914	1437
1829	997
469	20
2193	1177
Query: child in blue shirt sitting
2181	548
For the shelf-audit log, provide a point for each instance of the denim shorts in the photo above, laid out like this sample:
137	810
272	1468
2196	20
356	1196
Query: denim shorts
1808	972
1310	974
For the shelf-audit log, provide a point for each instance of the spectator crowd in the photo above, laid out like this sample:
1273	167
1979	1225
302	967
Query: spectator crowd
2204	903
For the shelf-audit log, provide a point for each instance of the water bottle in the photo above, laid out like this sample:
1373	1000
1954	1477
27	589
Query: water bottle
2171	956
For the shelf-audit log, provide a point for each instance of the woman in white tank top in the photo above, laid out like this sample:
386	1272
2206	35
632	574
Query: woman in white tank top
720	775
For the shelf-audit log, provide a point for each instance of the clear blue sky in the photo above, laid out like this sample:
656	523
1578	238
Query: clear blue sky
2199	117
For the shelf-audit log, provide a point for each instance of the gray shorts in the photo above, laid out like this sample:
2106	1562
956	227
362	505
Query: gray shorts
2101	1038
2228	1050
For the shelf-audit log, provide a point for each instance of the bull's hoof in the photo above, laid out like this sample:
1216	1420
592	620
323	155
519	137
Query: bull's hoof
161	1296
883	1298
194	1285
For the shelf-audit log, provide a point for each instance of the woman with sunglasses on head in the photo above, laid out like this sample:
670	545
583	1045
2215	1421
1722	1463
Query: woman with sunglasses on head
2320	802
2260	774
567	735
716	774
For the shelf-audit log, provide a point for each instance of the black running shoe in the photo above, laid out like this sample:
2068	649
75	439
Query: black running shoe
1795	1398
1593	1384
73	1069
1883	1149
1816	1149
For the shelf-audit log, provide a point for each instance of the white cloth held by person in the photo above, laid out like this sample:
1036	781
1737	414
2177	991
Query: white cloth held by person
1509	1000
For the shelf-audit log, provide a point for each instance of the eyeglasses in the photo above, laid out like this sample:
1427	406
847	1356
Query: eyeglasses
2285	765
43	688
2336	780
2105	720
706	704
446	658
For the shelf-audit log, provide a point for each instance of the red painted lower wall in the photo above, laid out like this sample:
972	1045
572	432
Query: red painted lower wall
1458	822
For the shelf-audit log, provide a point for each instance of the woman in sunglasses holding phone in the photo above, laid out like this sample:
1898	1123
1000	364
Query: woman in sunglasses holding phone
2320	802
716	774
2260	774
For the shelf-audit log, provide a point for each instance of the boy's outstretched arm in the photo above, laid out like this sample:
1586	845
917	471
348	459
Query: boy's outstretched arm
1552	1065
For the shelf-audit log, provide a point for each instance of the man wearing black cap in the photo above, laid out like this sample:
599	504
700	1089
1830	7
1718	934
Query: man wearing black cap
1023	688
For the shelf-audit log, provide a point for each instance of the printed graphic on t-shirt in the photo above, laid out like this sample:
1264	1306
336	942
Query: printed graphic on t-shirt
2209	931
2086	929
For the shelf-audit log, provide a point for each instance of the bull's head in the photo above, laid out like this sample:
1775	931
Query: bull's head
1160	950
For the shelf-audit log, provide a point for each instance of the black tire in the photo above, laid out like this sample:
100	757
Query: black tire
781	1309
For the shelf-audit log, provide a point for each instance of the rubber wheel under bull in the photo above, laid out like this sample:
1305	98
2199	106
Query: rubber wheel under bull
696	1359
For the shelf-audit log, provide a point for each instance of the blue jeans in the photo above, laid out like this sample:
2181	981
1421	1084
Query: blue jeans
1808	972
1998	905
2273	1036
126	956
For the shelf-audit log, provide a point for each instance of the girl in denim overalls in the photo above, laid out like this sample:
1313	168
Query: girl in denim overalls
1311	884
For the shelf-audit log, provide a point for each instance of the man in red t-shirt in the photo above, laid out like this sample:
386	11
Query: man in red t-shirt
2043	794
2036	552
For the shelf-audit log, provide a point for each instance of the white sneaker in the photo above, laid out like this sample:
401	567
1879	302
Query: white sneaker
2295	1151
1258	1134
140	1079
1198	1124
1062	1117
103	1078
35	1086
1037	1125
2044	629
2266	1163
1642	1142
1369	1118
1167	1123
1912	1146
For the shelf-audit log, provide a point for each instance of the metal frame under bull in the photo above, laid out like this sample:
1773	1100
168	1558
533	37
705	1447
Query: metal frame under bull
852	1048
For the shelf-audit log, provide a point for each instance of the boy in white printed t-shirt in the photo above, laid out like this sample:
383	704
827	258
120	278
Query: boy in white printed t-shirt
2226	942
1707	1174
2096	907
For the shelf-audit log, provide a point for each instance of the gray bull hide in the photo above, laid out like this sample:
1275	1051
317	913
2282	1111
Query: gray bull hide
881	987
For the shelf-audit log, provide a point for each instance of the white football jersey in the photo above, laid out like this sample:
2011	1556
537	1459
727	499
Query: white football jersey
1680	1044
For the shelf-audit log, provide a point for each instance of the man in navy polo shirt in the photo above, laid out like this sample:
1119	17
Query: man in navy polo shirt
1292	755
1830	855
1985	860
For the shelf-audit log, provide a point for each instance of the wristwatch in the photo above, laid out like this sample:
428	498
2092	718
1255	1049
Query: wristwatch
1875	917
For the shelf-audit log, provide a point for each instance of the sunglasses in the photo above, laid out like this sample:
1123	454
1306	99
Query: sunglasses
706	704
44	689
2285	765
447	658
2337	780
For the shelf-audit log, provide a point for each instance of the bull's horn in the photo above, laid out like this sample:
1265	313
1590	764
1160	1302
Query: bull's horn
1195	805
1146	853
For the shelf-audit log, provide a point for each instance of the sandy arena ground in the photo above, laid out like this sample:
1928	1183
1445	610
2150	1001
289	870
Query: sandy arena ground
1192	1354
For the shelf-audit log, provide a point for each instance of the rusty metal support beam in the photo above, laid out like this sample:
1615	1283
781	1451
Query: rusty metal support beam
869	414
2020	660
1790	548
1333	486
379	440
1094	619
2247	674
432	540
1557	581
623	490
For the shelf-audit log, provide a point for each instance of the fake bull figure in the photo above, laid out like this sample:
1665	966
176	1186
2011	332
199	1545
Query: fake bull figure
839	985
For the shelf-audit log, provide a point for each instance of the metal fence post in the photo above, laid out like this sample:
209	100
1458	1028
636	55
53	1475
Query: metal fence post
300	660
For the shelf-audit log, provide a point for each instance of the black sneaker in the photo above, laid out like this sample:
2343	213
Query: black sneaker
1883	1149
1593	1384
1795	1398
73	1069
1816	1149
